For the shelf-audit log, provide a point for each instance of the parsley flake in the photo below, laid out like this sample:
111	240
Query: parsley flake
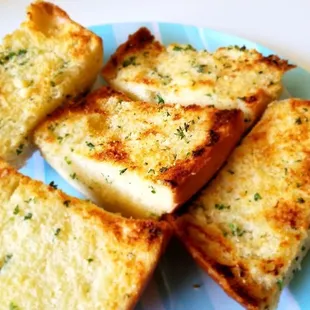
73	176
16	210
300	200
68	161
236	230
28	216
163	169
52	184
280	284
257	197
6	259
177	48
90	145
13	306
200	68
159	99
129	61
123	171
19	150
181	131
67	203
221	206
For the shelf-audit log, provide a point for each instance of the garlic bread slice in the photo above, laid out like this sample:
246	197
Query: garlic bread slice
249	229
48	60
137	158
230	78
60	252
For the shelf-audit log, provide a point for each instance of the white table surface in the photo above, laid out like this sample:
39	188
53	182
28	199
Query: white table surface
282	25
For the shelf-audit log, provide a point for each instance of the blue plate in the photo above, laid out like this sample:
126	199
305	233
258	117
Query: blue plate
178	283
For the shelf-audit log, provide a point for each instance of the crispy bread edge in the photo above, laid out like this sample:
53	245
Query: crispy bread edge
209	266
135	42
227	129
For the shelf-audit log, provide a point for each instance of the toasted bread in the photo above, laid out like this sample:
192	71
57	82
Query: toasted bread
48	59
60	252
230	78
134	157
250	228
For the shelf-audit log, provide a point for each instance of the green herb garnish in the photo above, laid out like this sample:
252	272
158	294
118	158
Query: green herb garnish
90	145
236	230
73	176
57	231
159	99
257	197
221	206
130	61
200	68
67	203
177	48
163	169
280	284
16	210
52	184
28	216
13	306
300	200
19	150
123	171
68	161
6	259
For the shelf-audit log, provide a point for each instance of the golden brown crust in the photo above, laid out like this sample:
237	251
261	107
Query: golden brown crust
190	175
277	62
45	17
135	42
